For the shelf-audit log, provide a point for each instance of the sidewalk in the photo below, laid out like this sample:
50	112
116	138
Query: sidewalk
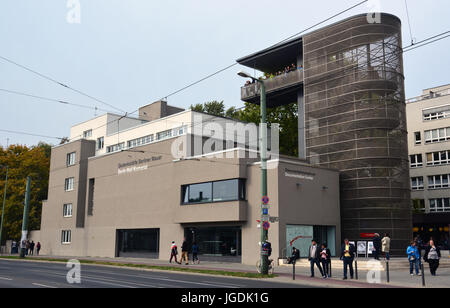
398	277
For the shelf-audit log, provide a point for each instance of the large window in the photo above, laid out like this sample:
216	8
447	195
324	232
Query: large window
100	143
438	158
66	237
115	148
436	113
142	243
68	185
87	133
67	210
418	137
70	160
416	161
437	135
140	141
440	205
220	191
438	181
417	183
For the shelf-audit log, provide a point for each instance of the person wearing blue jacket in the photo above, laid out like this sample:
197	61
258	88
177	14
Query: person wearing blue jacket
413	258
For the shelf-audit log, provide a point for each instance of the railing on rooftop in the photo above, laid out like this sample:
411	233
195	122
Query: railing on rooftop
430	95
279	82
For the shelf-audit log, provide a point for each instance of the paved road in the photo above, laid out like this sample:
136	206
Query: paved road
26	274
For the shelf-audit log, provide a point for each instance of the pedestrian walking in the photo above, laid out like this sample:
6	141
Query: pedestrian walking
13	247
386	246
314	258
38	248
294	256
173	252
414	258
27	247
32	244
325	260
376	246
184	252
348	255
195	253
432	256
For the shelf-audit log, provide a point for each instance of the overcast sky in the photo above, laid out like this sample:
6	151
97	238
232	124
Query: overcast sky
129	53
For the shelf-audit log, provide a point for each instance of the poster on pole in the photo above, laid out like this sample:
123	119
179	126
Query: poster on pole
362	248
370	248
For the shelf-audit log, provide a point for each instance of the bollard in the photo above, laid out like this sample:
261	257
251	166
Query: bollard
423	274
293	269
329	272
387	271
356	269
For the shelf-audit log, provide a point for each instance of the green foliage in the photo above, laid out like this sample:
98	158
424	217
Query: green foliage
286	116
214	108
22	162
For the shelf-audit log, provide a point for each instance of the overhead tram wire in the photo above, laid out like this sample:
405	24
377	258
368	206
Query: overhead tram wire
59	83
29	134
52	100
409	23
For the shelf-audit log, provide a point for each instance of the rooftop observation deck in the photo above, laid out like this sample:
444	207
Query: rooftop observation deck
280	90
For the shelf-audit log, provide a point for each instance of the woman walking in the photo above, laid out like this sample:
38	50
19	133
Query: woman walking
413	258
432	256
325	259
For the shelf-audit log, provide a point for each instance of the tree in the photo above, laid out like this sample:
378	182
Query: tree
213	108
286	116
22	162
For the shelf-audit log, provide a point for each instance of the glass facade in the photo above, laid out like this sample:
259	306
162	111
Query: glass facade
300	237
138	243
219	242
220	191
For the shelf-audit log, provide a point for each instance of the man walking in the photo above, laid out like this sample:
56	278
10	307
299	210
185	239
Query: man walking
314	258
173	252
32	244
348	255
184	252
386	246
38	248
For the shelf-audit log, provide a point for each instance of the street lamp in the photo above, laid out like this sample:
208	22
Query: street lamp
3	207
263	149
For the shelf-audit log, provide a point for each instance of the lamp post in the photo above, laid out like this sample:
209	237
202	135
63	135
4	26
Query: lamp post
3	206
263	149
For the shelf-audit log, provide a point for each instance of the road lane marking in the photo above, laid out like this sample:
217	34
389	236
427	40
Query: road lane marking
4	278
43	285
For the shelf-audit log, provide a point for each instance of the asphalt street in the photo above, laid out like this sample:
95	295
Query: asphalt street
28	274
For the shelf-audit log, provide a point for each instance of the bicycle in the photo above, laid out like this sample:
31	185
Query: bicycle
271	266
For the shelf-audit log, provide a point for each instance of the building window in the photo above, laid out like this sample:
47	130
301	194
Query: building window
418	205
417	183
100	143
438	181
140	141
436	113
91	197
115	148
416	161
70	161
68	186
437	135
87	133
67	210
418	137
66	237
219	191
164	135
440	205
438	158
179	131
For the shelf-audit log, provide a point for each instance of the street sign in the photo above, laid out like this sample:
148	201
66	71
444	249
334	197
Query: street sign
274	219
266	225
265	200
367	235
265	218
265	211
265	206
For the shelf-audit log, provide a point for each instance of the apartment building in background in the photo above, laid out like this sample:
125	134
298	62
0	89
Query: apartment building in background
428	118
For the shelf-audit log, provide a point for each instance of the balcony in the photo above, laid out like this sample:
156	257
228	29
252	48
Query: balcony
280	89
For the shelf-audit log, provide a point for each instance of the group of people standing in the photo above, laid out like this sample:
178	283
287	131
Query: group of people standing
185	249
29	247
432	255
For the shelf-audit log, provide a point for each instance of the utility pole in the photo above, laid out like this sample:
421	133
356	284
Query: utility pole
3	207
26	210
263	148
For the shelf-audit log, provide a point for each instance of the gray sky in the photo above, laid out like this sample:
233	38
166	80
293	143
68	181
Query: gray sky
132	52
